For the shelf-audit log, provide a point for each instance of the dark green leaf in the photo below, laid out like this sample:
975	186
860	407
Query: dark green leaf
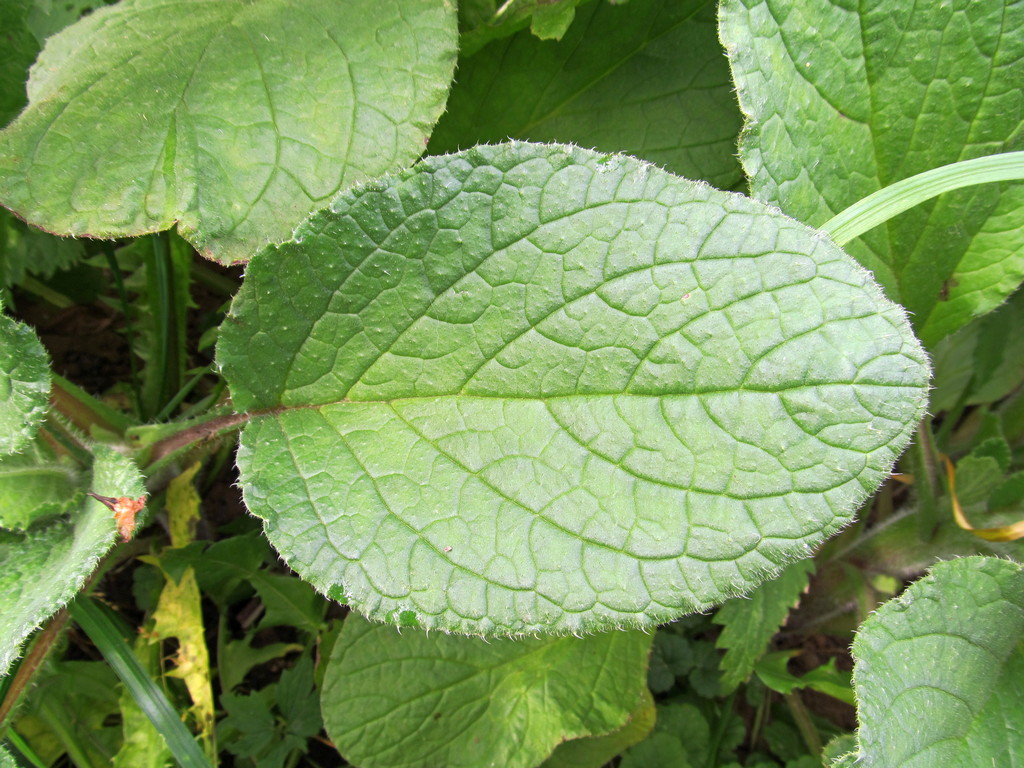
648	79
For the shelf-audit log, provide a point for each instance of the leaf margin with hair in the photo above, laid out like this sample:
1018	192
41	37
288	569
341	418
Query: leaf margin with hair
313	423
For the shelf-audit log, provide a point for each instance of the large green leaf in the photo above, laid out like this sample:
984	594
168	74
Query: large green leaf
232	118
648	78
24	384
845	99
42	568
938	670
407	699
534	388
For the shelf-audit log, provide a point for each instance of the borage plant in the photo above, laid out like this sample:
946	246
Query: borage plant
542	396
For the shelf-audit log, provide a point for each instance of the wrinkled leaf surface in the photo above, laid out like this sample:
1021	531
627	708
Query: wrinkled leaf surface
532	387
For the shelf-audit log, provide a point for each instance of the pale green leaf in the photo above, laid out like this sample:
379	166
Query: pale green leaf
534	388
549	22
24	384
648	78
41	569
938	670
750	623
596	751
402	699
843	100
232	119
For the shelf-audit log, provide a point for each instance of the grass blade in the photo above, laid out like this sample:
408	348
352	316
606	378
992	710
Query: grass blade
151	699
879	207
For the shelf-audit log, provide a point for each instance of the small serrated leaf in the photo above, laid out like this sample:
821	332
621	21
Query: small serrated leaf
750	623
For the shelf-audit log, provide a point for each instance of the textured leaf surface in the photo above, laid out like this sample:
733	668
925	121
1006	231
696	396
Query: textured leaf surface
898	88
34	485
949	647
232	118
24	384
749	624
399	699
647	78
536	388
42	569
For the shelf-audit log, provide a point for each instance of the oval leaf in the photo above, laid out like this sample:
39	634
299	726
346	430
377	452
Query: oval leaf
398	700
531	387
234	119
949	647
898	88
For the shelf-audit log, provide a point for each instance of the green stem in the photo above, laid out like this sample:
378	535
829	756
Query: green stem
716	738
163	370
122	294
45	292
804	724
15	686
182	393
893	200
22	746
926	480
85	411
69	738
